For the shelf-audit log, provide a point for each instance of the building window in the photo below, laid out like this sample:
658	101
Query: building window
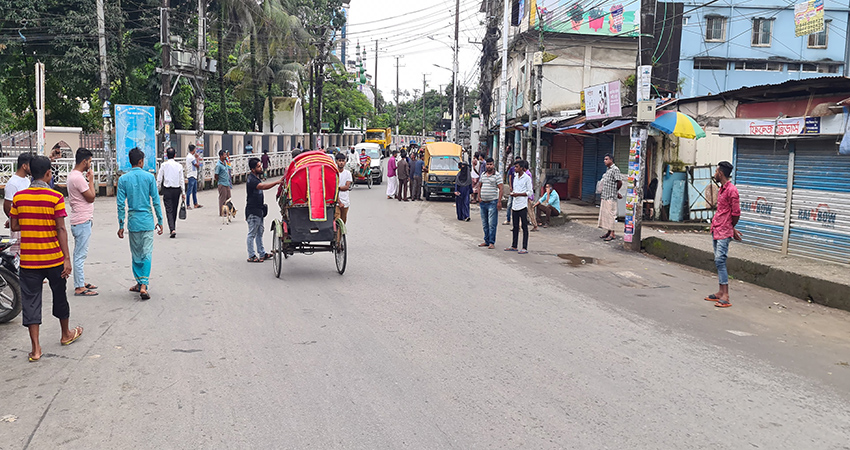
769	66
709	64
818	40
827	68
805	67
715	29
762	29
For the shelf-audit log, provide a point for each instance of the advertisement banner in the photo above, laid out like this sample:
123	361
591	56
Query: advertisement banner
603	101
808	17
603	18
135	126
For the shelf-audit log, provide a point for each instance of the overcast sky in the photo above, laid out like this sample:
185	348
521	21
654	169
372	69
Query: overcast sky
402	28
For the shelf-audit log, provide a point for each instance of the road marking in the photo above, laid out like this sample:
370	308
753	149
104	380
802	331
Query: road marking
740	333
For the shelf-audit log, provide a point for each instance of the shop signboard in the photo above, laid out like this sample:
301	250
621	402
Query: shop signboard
603	101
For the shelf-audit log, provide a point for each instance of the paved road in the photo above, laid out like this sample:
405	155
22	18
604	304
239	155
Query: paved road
425	342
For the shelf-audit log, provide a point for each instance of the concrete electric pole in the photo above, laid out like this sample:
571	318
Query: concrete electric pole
503	85
165	90
455	69
104	97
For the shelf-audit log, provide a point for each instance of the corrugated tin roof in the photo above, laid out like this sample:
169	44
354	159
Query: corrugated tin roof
829	85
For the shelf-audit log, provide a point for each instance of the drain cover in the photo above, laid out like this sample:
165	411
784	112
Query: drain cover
575	260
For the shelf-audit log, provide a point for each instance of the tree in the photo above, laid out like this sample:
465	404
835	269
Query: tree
342	101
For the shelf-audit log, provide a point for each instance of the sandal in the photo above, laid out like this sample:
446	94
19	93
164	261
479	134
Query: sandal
722	304
78	331
135	288
510	249
86	293
268	256
609	239
90	286
254	259
144	296
523	252
712	298
32	358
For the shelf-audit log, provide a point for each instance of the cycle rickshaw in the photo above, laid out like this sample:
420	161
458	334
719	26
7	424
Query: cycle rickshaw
307	202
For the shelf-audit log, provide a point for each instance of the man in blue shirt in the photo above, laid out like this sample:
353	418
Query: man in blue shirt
222	177
136	191
416	169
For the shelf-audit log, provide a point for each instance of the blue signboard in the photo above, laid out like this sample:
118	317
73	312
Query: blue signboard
135	126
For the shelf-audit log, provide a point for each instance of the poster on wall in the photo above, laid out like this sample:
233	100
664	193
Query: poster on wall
135	126
808	17
603	101
603	18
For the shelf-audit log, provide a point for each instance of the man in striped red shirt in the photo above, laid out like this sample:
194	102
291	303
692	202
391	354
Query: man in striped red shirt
39	214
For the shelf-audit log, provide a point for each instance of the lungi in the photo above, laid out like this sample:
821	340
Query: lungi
141	249
608	214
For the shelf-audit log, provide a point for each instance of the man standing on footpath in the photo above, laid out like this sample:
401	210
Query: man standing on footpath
136	192
170	179
522	190
416	177
17	182
723	230
256	209
392	180
511	177
403	173
611	184
81	194
193	163
222	178
38	212
490	190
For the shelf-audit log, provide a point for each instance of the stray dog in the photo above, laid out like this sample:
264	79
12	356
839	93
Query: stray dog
228	212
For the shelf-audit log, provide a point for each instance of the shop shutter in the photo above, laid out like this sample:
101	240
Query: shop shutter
761	176
575	150
820	203
589	168
558	156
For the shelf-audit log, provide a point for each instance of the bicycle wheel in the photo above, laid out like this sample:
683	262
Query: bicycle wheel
277	252
341	255
369	180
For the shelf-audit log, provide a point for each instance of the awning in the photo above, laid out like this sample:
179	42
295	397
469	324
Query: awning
611	126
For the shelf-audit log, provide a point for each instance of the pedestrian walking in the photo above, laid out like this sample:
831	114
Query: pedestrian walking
392	180
511	177
266	160
81	195
723	230
490	190
611	183
416	171
222	178
193	164
170	180
249	148
17	182
463	189
136	192
521	191
345	183
38	213
403	174
548	206
256	210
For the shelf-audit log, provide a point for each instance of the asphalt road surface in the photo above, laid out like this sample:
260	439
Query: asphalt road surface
426	342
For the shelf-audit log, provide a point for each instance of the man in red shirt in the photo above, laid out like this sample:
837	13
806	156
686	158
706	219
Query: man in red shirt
39	214
723	230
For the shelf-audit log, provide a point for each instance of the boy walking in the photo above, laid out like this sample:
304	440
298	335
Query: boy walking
81	194
193	163
38	212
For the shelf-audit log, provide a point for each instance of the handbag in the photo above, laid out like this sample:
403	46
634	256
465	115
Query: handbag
182	213
599	187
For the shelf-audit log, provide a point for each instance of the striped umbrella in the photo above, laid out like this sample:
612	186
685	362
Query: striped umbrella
678	124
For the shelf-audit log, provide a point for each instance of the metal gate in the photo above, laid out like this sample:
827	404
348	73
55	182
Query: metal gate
820	202
575	151
761	176
593	167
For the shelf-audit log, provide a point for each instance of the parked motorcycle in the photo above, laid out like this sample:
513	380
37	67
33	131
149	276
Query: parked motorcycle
10	285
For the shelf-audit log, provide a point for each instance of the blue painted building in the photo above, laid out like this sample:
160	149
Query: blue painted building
732	44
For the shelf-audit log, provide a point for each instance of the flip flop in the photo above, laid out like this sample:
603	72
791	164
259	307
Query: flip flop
482	245
609	239
136	288
90	286
32	359
722	304
78	331
523	252
86	293
712	298
510	249
268	256
254	259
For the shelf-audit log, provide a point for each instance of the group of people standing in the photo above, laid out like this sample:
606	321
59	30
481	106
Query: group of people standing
404	176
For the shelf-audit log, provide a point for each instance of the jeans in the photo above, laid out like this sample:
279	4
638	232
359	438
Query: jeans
81	233
255	236
192	192
520	219
721	249
489	220
510	211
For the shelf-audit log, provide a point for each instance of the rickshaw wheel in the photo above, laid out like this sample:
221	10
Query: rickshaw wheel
341	254
277	252
369	180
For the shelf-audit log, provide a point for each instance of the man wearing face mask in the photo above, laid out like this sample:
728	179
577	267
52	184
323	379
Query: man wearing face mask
723	230
256	210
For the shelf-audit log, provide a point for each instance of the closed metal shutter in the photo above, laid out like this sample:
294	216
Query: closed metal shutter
575	150
820	203
589	169
558	157
761	176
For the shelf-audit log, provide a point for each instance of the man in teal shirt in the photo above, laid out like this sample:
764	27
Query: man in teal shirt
548	206
136	191
222	177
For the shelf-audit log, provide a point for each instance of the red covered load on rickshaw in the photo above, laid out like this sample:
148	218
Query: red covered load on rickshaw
312	180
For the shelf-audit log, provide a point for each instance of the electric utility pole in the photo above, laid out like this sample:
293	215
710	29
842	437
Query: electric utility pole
538	101
397	116
424	84
165	91
503	84
200	77
376	76
104	96
455	129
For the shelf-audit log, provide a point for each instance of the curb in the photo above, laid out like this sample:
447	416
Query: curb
817	290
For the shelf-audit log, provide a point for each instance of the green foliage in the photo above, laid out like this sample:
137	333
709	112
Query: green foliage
342	101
